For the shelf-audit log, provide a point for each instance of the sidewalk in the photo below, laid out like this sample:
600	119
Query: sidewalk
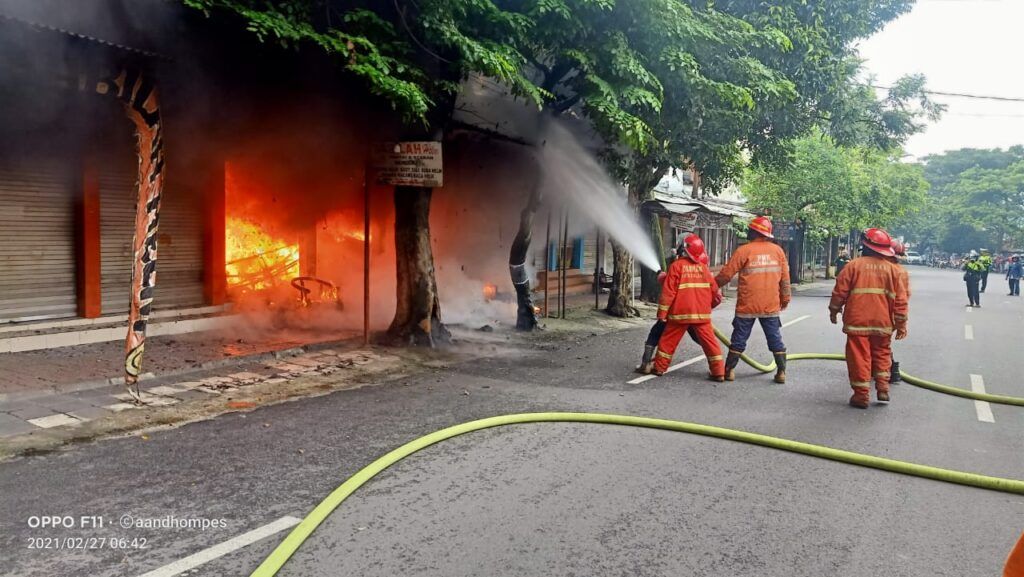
54	397
75	367
74	404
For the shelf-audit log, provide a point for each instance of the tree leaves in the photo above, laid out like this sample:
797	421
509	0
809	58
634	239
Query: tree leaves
835	189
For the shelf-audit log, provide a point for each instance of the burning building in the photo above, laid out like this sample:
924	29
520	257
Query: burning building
267	204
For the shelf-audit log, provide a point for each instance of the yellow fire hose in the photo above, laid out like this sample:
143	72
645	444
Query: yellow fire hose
909	379
272	564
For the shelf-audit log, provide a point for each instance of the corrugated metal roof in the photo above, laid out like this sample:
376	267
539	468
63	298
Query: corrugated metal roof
673	203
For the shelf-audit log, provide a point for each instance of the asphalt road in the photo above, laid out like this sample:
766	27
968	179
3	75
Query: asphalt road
568	499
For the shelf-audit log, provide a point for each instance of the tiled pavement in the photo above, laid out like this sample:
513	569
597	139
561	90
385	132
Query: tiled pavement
25	415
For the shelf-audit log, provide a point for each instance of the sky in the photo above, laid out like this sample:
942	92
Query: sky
962	46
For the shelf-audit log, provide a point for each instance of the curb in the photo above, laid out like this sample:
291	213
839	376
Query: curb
207	366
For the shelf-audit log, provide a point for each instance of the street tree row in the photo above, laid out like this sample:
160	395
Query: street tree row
704	85
976	200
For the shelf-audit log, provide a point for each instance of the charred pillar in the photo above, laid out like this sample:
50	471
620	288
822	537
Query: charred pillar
307	250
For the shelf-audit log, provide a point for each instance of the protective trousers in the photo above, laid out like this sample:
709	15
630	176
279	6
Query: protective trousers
973	291
705	337
867	357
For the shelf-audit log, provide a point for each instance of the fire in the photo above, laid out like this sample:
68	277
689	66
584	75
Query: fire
490	292
255	260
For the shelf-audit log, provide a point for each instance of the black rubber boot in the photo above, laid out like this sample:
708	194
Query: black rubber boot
894	373
780	363
731	361
647	363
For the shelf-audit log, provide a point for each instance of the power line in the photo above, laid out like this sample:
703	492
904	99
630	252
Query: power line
959	94
982	115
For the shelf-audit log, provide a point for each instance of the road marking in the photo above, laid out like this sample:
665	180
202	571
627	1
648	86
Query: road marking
685	363
970	309
795	321
982	408
969	332
689	362
221	549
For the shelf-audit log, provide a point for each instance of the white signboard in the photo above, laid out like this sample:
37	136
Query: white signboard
687	222
408	164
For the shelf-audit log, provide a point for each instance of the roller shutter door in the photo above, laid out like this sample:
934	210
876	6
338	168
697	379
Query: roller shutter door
179	277
37	251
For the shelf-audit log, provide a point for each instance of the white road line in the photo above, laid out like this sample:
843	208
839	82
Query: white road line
970	309
795	321
969	332
685	363
689	362
982	408
221	549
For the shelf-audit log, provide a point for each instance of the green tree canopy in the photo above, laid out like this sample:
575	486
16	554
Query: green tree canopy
975	201
833	189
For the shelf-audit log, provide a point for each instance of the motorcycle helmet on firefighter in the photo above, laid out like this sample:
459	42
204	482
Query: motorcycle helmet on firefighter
691	247
762	226
878	241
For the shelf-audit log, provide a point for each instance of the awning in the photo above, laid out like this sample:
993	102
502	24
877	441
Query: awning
678	208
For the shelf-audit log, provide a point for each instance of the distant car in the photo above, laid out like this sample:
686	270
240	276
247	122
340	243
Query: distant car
914	258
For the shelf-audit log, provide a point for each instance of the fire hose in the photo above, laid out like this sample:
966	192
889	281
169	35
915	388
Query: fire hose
909	379
273	563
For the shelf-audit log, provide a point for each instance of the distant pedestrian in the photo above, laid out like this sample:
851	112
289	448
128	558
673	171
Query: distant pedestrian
687	297
986	262
973	270
842	260
871	296
1014	272
764	292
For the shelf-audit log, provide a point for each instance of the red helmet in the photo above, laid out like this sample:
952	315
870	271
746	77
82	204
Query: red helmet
898	248
877	240
762	226
704	258
693	247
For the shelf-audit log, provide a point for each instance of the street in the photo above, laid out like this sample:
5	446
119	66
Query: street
572	499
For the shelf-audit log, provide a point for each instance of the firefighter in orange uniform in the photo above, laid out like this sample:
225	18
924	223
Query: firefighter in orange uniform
872	297
687	297
764	292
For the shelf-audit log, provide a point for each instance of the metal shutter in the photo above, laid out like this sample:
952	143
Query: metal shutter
37	251
179	277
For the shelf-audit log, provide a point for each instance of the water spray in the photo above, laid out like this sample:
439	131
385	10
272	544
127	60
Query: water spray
572	173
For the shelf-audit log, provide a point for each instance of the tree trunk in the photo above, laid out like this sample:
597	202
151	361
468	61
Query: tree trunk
418	313
650	288
833	253
620	298
526	316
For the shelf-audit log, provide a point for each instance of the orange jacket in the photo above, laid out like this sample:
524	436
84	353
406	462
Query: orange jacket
871	294
904	277
688	293
764	278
